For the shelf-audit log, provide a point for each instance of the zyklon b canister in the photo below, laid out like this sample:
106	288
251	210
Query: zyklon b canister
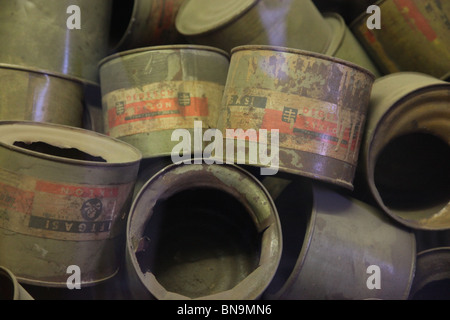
406	149
413	36
31	94
317	104
148	93
64	197
228	24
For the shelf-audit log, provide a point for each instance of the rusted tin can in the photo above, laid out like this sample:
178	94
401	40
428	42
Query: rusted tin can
345	46
31	94
228	24
202	232
65	193
406	149
413	36
149	92
316	103
432	277
149	23
68	37
10	288
338	248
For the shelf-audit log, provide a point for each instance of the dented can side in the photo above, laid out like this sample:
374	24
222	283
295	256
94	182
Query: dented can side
65	193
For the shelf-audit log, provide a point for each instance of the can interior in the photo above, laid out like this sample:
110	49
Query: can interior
6	287
45	148
434	290
201	241
121	14
412	174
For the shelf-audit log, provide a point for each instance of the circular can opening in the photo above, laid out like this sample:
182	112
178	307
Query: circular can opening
6	286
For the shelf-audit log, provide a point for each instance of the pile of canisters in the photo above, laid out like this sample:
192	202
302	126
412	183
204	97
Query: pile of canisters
225	149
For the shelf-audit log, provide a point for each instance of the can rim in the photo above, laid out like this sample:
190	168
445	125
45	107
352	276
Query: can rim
134	154
161	48
301	52
48	72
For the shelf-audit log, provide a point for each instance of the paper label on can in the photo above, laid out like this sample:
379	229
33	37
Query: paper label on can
304	123
62	211
161	106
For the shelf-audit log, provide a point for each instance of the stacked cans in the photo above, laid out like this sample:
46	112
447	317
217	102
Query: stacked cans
232	150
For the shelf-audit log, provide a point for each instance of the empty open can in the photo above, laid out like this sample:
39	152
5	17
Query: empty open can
65	193
336	247
405	154
228	24
149	92
202	232
413	36
317	105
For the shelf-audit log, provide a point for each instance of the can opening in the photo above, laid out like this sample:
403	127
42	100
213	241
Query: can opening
412	173
202	241
6	287
435	290
121	14
45	148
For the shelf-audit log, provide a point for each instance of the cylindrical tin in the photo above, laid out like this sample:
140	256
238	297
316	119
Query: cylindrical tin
316	103
202	232
93	112
35	95
147	93
228	24
10	288
65	193
406	149
149	23
432	277
345	46
42	34
336	247
413	36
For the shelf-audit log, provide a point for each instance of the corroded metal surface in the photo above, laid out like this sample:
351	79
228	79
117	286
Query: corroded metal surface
316	102
35	34
413	36
64	197
147	93
228	24
202	232
406	149
330	240
34	95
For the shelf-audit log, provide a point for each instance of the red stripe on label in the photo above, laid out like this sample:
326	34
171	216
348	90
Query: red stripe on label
76	191
370	36
156	109
316	128
15	199
411	12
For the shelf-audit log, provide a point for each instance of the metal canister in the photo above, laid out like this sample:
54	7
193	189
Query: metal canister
345	46
202	231
316	103
149	92
413	36
228	24
10	288
67	37
32	94
65	193
149	23
336	247
406	149
432	277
